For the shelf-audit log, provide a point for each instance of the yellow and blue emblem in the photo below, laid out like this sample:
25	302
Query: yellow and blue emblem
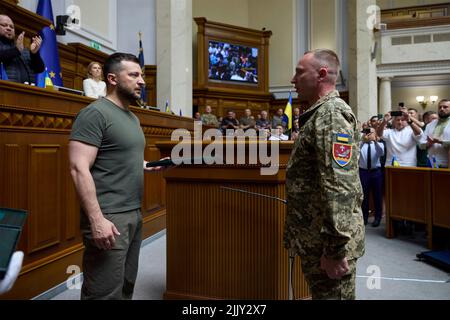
342	149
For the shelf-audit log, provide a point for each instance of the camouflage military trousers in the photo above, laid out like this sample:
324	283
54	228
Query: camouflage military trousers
324	288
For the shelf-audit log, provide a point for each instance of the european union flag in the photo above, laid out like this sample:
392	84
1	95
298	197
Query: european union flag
49	48
287	117
142	64
3	75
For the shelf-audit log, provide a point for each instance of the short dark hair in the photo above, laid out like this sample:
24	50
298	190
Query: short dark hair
329	58
413	109
374	117
443	100
112	63
428	113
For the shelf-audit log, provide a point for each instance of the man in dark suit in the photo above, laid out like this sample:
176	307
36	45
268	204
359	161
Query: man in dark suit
20	64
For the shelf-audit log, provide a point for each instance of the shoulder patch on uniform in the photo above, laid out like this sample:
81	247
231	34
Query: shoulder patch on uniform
342	149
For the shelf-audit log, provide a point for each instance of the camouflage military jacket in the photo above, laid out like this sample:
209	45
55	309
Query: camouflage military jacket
209	120
322	184
247	121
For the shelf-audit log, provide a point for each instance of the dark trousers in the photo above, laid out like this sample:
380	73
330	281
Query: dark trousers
111	274
372	182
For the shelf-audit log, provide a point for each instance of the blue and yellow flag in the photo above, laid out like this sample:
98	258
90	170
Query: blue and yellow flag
49	48
167	107
395	162
48	80
287	116
3	75
435	164
142	64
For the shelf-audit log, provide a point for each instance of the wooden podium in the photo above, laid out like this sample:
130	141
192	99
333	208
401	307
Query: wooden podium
223	244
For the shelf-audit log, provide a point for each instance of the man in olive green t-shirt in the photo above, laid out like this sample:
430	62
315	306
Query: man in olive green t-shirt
106	154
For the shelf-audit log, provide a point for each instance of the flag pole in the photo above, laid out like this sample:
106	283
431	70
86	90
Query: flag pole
142	101
291	120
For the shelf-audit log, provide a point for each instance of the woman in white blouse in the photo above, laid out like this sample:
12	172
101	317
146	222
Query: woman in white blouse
94	86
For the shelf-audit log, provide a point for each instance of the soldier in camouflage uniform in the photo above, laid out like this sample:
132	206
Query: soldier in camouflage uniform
247	121
324	223
208	119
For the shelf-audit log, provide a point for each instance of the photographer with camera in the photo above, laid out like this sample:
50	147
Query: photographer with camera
402	139
371	174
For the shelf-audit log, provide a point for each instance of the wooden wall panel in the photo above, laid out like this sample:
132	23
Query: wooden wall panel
235	252
419	195
440	195
71	219
150	84
11	184
416	184
44	197
153	191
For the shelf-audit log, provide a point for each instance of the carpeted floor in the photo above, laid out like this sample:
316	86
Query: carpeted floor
389	270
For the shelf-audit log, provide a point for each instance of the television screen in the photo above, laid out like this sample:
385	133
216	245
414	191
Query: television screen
229	62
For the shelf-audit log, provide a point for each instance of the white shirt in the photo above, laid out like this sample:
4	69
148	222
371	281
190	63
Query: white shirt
283	137
439	151
376	152
94	89
403	145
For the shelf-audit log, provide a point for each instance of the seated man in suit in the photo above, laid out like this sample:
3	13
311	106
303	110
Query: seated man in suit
20	64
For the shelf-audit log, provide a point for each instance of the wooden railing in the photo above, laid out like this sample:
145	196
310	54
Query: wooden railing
417	195
414	17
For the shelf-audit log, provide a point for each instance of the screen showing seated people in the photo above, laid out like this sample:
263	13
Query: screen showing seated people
230	62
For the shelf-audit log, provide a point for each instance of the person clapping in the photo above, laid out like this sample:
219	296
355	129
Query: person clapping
21	64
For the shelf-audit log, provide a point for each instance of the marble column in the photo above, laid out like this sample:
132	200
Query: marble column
174	55
363	81
385	95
